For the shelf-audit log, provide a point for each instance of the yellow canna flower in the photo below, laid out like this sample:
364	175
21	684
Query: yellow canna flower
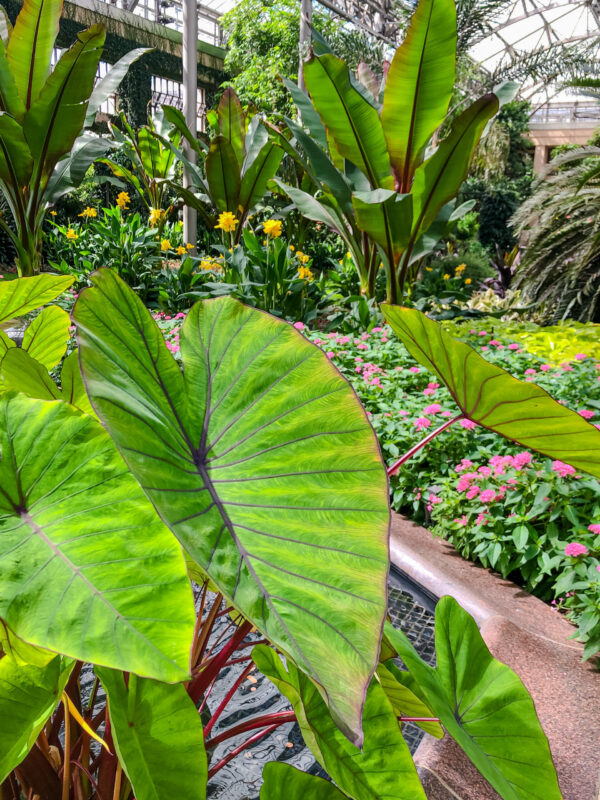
53	213
88	212
70	234
305	274
460	268
156	214
165	245
446	276
181	251
189	246
302	257
292	248
272	227
429	269
467	281
123	200
227	222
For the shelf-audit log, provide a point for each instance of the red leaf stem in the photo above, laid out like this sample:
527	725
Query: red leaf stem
415	448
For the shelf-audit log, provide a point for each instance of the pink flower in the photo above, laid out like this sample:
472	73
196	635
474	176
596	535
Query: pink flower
513	346
530	372
576	549
362	347
434	499
422	422
494	342
484	349
464	464
545	367
299	326
428	391
522	459
485	471
446	413
461	520
376	330
482	333
562	469
472	492
580	356
481	520
330	354
317	341
585	413
595	528
434	408
566	367
403	413
467	423
416	370
433	385
487	496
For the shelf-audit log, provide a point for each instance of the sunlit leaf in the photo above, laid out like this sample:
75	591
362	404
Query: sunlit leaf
490	396
260	459
404	701
47	335
21	372
284	781
22	295
483	705
86	567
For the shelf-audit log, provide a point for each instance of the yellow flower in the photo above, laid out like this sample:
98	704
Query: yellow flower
446	276
467	281
123	200
181	251
88	212
70	234
156	214
292	248
272	227
165	245
429	269
189	246
302	257
305	274
460	268
227	222
53	213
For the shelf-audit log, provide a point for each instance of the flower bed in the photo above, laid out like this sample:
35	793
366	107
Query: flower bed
532	519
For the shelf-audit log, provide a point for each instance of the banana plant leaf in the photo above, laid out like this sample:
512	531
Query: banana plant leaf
47	336
28	696
419	86
387	218
284	781
23	295
232	122
439	178
223	175
258	457
30	46
55	119
175	117
111	81
310	119
70	171
158	736
6	27
257	175
86	567
10	99
382	770
16	163
350	119
483	705
490	396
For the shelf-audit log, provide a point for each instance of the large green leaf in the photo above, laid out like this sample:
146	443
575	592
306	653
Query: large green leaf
10	99
313	208
262	462
490	396
439	178
23	295
483	705
158	736
310	119
47	336
232	122
151	154
6	27
223	175
6	343
257	175
382	770
56	118
16	163
73	388
351	120
404	700
30	46
284	781
22	373
419	85
110	82
28	695
387	218
86	567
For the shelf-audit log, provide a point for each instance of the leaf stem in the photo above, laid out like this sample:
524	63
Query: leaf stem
276	719
230	756
415	448
227	698
418	719
67	756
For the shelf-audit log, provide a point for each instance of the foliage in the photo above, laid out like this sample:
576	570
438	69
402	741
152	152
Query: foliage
560	220
401	199
262	47
42	118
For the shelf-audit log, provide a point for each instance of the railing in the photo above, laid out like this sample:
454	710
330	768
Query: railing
565	114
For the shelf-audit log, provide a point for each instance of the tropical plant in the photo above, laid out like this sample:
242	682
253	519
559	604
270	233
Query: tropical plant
239	163
401	194
42	116
153	162
560	266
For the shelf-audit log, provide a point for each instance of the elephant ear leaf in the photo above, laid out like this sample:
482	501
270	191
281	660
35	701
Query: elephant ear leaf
283	780
490	396
154	724
262	462
86	567
28	695
47	336
483	705
23	295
